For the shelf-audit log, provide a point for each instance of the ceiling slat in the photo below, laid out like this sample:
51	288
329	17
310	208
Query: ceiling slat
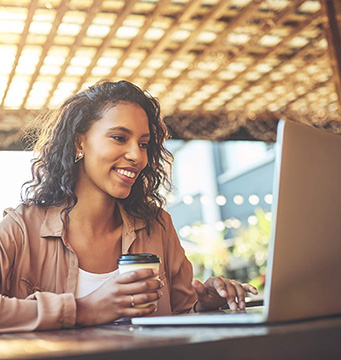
129	4
160	7
32	8
216	45
49	42
91	13
187	13
270	84
332	25
264	28
273	52
215	13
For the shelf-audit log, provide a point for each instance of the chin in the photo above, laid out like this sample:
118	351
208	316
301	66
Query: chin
121	197
121	194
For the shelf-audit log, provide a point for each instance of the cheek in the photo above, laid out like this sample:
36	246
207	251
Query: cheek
145	161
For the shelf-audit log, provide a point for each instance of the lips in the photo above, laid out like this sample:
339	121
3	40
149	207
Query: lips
127	175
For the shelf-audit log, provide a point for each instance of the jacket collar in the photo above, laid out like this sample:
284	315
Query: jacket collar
53	226
130	225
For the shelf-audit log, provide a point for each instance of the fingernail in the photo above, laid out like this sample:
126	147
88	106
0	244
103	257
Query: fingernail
223	293
242	305
233	306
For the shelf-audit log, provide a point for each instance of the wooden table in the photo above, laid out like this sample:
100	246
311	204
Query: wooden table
318	339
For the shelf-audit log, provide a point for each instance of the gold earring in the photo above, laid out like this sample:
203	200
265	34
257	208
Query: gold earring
78	157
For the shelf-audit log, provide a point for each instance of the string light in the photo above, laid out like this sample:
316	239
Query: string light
254	199
204	199
268	199
187	199
220	200
238	199
252	220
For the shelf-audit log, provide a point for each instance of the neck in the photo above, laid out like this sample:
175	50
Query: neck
95	213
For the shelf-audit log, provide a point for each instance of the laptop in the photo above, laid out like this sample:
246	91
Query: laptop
303	275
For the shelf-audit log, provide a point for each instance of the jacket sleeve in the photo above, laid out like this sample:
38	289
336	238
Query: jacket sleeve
180	272
39	311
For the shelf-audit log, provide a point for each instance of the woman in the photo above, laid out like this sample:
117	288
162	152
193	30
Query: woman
95	195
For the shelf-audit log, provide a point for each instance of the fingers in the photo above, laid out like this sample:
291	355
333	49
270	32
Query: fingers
141	300
138	311
138	281
199	288
141	287
138	288
233	292
251	289
137	305
136	275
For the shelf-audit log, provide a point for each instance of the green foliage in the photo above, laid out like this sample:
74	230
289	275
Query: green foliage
252	244
208	249
211	251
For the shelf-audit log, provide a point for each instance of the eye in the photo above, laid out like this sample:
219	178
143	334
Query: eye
144	145
118	138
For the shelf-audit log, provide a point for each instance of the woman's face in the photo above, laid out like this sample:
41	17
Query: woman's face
115	151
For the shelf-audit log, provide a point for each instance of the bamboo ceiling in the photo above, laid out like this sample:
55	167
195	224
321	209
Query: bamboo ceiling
216	65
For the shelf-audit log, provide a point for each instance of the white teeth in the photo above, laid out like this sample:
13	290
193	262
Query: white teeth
126	173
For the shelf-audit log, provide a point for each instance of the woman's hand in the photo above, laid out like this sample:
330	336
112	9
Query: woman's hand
117	298
217	291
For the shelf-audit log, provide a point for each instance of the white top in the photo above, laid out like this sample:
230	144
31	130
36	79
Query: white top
88	282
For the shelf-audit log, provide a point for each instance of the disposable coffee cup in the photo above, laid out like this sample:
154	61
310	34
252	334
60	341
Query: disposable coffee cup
130	262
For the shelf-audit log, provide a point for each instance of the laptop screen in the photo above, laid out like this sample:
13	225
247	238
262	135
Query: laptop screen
304	263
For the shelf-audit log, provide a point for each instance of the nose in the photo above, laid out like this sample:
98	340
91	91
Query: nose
134	152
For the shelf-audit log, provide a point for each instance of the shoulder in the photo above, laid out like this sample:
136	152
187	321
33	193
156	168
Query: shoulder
24	218
163	221
163	226
165	216
25	213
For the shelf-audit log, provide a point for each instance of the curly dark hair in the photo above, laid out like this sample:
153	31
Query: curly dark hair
54	171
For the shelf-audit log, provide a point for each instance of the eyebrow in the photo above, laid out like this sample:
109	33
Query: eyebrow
128	131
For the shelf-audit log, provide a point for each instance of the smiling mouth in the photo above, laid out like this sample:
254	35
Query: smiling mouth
129	174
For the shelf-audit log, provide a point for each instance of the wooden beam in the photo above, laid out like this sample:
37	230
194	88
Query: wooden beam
91	13
189	10
126	10
160	7
268	84
217	11
32	8
265	29
274	51
332	26
216	45
63	7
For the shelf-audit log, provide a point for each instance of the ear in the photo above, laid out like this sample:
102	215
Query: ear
79	139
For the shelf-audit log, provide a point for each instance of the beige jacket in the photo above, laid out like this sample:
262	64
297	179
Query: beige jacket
38	269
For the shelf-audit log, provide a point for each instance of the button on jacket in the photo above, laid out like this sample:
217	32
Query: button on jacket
38	268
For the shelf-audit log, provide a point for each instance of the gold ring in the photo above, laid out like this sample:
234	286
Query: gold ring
162	284
132	301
